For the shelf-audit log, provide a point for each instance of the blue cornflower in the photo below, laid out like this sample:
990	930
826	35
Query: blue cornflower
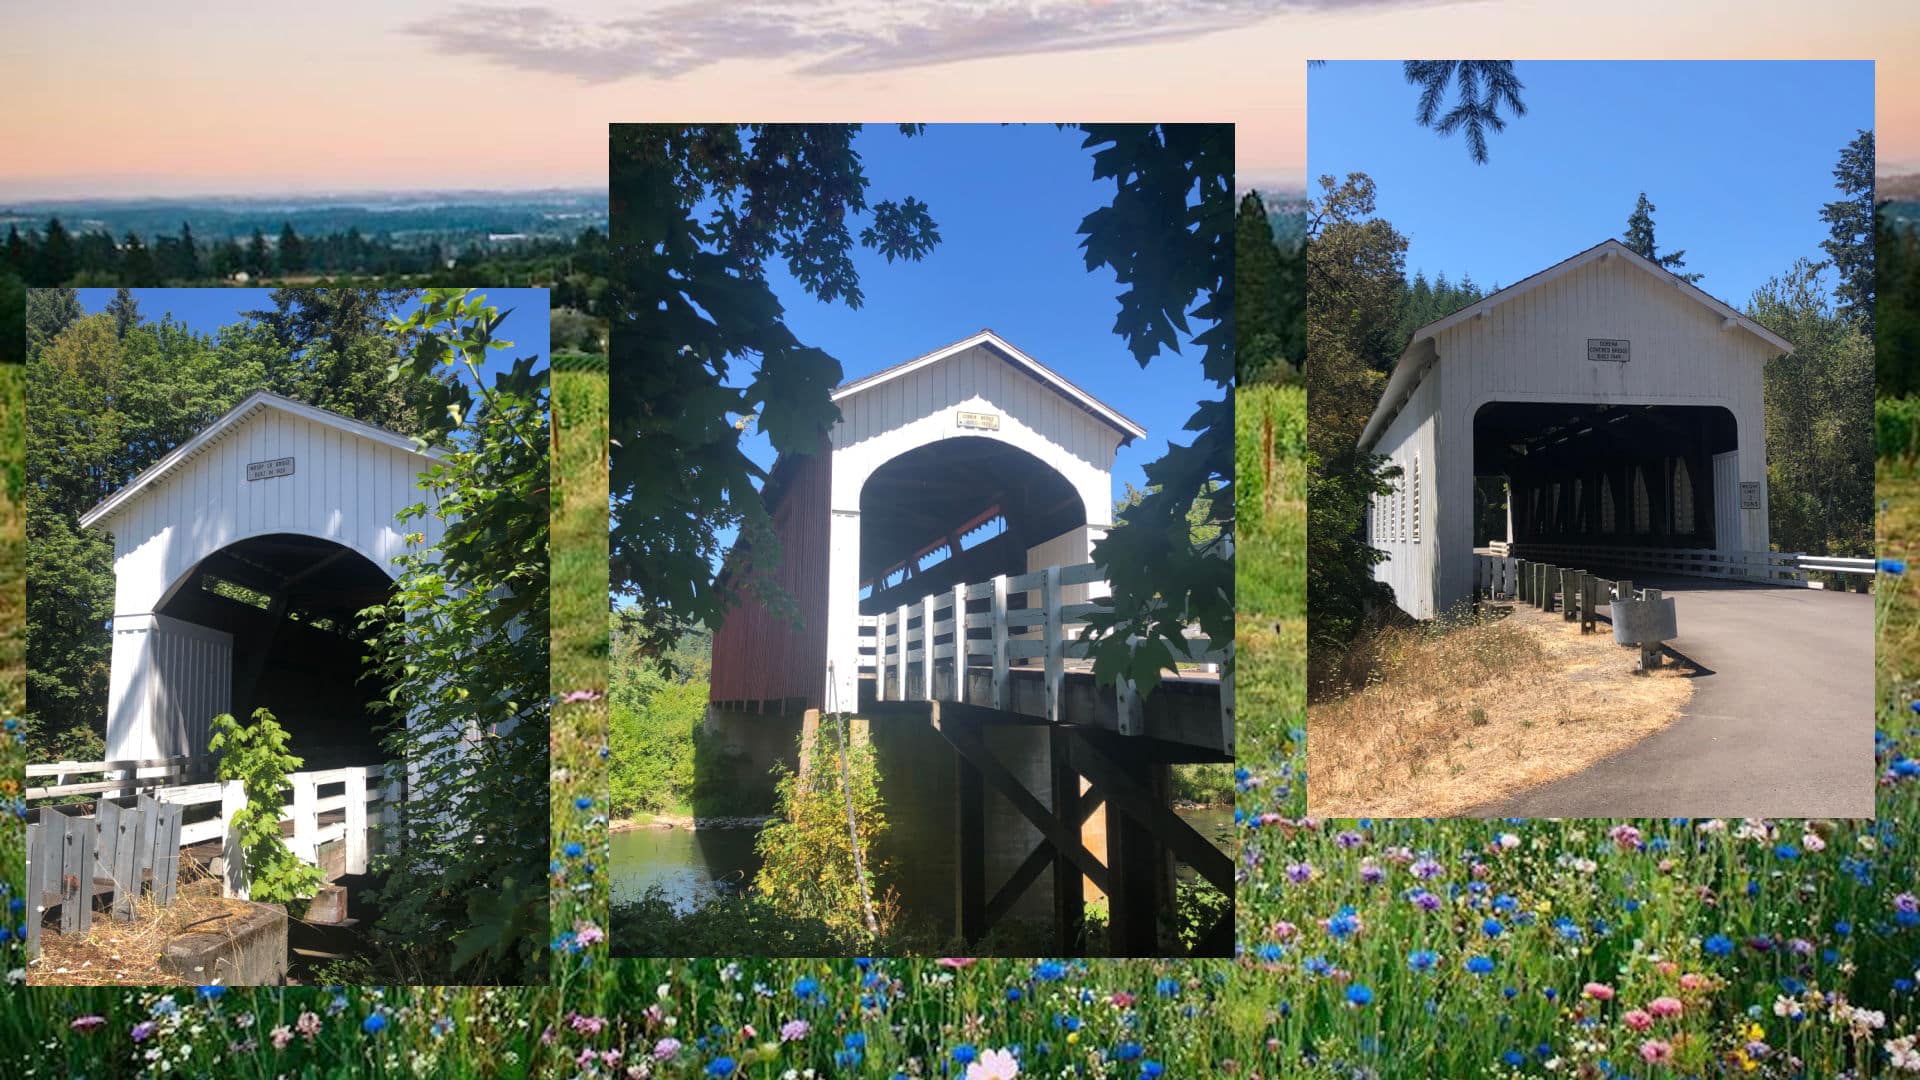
805	987
574	850
1480	965
964	1054
1167	987
1422	959
721	1066
209	993
1514	1058
584	802
373	1023
1049	971
1359	995
1149	1069
1129	1051
1718	945
1492	927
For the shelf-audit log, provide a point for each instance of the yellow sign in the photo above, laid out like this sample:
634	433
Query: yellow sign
979	421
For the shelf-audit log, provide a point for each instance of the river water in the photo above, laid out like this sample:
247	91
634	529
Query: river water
693	867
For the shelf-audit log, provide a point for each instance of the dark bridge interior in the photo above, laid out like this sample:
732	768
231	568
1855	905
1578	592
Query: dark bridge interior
1600	474
291	604
928	518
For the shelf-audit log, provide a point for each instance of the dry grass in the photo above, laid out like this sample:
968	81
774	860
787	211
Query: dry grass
1448	719
128	953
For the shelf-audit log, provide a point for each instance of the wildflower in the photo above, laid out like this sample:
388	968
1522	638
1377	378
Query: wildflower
1480	965
1656	1051
1149	1069
1625	837
373	1023
806	988
993	1065
1299	873
1047	970
1787	1008
1718	945
210	993
1422	959
1664	1007
308	1025
1637	1019
143	1031
955	962
1691	981
574	850
1813	843
281	1036
666	1048
722	1066
1492	927
794	1030
1358	995
1597	991
1901	1054
87	1023
964	1054
584	802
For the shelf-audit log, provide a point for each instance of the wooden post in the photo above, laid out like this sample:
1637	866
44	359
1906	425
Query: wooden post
166	853
1134	870
1130	715
900	659
926	648
357	821
1000	685
1650	650
121	832
1069	885
970	836
1569	594
959	640
1589	596
76	876
1520	580
306	819
143	842
233	799
46	846
1054	636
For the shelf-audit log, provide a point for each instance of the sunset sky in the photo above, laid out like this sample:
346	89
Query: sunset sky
225	96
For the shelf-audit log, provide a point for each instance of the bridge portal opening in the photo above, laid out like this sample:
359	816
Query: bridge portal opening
290	604
962	510
1655	476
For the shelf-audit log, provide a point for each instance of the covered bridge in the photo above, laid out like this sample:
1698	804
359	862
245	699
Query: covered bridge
1608	403
241	559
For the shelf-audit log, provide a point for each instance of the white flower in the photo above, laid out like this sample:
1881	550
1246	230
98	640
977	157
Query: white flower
1785	1006
1905	1057
994	1065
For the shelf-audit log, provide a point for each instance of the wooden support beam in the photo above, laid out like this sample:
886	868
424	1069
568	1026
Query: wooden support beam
966	739
1133	797
1218	940
1137	862
970	855
1070	811
1017	883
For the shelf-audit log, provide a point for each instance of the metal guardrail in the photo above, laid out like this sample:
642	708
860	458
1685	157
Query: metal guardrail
1576	594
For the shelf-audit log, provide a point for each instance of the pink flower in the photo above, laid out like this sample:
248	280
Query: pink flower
581	695
1625	837
1664	1007
1598	991
1637	1019
281	1036
585	933
794	1030
994	1065
87	1023
748	1031
1666	967
308	1026
1121	999
666	1048
1691	981
955	961
1656	1050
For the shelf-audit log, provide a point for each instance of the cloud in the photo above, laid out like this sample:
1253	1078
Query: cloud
823	37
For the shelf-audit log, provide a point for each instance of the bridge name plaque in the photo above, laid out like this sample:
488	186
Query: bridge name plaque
263	470
1612	350
979	421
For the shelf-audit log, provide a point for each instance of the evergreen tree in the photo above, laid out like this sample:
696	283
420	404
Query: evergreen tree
19	255
1259	278
1484	86
56	264
1849	242
1639	238
186	257
125	312
257	260
228	259
49	312
136	263
293	254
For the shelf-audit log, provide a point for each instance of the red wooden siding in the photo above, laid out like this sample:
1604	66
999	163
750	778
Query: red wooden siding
758	656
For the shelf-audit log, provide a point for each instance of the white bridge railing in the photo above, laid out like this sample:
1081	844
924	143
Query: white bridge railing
356	798
1770	567
1000	637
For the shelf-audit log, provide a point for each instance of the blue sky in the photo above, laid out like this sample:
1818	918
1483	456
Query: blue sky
1737	158
1008	202
207	310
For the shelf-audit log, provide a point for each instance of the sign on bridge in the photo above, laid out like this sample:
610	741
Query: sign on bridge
263	470
1613	350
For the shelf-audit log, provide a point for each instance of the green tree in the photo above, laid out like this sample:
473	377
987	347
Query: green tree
293	253
258	260
1819	411
1356	279
699	211
1271	319
184	264
339	349
19	254
1639	238
462	649
136	263
57	261
13	318
1483	87
256	755
1896	307
49	312
807	857
125	312
1850	238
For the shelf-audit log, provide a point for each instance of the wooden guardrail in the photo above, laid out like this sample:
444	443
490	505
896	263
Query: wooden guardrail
352	792
995	635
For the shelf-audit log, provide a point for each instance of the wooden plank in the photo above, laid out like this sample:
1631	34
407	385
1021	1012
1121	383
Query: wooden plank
926	648
305	844
999	613
149	808
1017	883
76	876
970	851
1056	657
900	657
106	830
42	864
1070	811
62	768
967	740
356	855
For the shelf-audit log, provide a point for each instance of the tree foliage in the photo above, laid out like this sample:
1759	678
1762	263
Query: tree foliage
1483	87
1270	284
807	865
1850	234
256	755
462	650
1896	306
1355	300
1819	403
655	710
698	213
1639	238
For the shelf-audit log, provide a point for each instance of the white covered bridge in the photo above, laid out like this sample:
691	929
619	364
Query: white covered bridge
1618	408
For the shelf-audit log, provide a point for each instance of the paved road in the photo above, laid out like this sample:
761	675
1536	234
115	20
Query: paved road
1780	725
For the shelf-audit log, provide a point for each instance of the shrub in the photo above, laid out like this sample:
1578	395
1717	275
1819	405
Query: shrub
256	755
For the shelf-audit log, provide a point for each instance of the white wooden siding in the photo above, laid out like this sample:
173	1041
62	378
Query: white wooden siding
1533	348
